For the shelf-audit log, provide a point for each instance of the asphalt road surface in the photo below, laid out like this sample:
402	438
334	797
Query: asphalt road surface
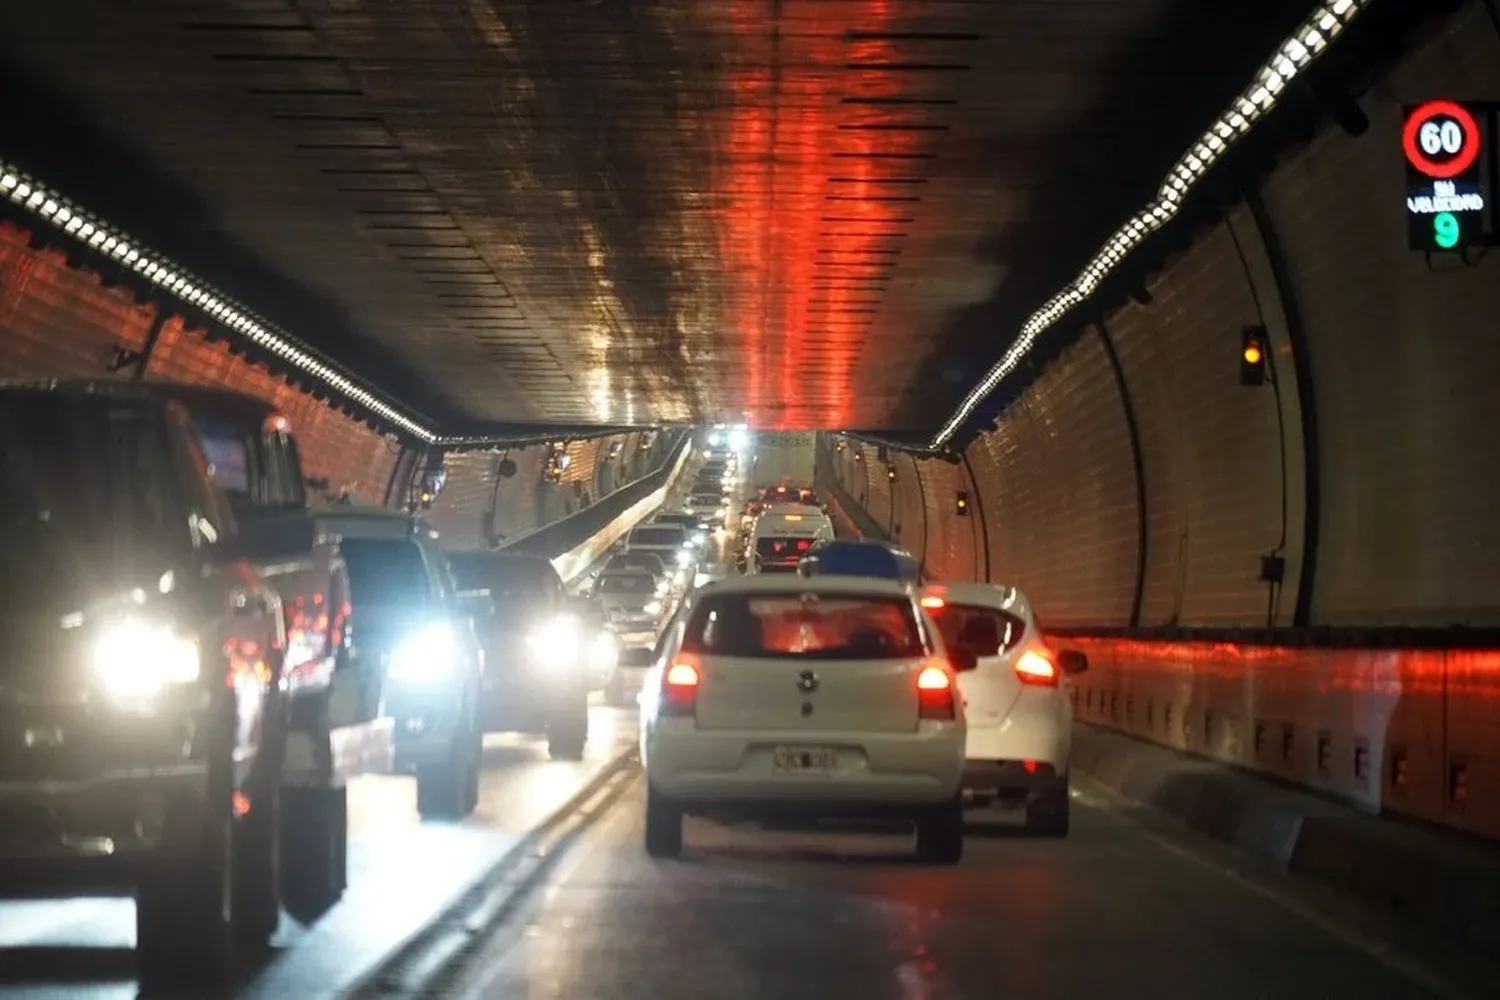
401	872
1118	910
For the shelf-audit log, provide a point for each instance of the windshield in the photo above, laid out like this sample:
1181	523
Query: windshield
227	451
649	561
92	471
782	549
626	583
799	626
386	573
985	631
664	535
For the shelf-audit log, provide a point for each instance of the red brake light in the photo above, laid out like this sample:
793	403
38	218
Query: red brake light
933	603
679	688
1036	667
935	694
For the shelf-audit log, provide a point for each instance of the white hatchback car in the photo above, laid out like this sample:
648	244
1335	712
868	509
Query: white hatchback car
779	697
1017	700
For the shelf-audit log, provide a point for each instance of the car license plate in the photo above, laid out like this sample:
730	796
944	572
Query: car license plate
805	760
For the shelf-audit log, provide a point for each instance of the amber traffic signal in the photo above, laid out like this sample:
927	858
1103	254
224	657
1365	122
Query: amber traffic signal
961	504
1253	356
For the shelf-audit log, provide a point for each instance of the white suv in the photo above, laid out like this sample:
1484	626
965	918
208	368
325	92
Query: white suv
1016	698
777	697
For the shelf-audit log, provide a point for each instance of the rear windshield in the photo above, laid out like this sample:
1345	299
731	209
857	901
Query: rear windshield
631	583
785	549
649	561
986	631
796	626
385	573
664	535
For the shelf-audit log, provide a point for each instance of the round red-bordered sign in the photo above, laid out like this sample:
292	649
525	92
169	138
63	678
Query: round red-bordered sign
1418	158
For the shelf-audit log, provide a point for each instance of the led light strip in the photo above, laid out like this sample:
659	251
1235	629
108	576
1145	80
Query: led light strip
1327	22
57	211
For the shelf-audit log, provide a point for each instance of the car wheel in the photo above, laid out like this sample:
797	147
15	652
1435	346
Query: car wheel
940	834
257	872
568	731
663	825
184	911
314	850
1048	814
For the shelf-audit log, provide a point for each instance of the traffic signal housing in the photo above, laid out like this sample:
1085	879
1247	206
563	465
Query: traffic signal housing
1253	356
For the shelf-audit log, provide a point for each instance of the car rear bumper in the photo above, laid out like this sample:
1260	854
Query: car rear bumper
1043	736
923	767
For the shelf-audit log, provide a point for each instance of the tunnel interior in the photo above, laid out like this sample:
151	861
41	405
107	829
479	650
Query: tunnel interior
539	242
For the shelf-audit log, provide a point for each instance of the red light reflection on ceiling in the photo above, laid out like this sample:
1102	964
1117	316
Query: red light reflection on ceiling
800	238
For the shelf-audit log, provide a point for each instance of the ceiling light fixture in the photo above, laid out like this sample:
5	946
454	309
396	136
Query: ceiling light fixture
54	209
1309	41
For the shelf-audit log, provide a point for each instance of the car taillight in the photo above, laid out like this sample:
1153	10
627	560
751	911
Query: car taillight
935	694
679	688
1036	667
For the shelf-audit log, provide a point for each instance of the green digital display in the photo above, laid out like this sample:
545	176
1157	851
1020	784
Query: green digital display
1446	230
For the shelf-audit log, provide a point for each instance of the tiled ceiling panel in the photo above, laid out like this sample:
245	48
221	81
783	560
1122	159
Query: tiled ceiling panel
804	213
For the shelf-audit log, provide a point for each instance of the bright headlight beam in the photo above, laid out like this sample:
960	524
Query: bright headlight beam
1329	20
136	659
426	656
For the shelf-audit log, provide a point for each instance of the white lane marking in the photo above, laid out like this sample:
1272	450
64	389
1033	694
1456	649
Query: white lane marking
1369	946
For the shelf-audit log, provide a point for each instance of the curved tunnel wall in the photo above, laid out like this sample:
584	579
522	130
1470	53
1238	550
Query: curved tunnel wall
60	321
1149	499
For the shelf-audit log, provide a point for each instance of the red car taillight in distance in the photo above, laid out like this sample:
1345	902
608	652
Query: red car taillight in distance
679	687
935	694
1036	666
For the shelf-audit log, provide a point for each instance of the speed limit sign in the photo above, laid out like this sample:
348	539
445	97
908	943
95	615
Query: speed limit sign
1441	139
1446	147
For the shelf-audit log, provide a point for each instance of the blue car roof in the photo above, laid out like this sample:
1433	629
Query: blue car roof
862	558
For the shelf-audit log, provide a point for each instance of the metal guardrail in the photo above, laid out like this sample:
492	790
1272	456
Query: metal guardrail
568	533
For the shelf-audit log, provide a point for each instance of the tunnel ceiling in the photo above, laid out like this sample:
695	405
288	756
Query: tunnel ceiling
806	213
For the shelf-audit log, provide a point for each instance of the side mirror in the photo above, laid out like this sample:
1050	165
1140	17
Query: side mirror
963	659
1072	661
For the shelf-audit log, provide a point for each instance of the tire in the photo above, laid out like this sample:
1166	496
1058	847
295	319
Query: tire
940	834
663	826
1048	814
314	850
451	790
568	731
257	873
185	907
614	691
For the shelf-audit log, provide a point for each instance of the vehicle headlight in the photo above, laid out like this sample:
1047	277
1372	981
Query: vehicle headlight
652	607
684	558
701	538
136	659
427	656
556	644
723	511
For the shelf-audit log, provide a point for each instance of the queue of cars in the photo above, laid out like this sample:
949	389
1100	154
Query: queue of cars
199	660
849	688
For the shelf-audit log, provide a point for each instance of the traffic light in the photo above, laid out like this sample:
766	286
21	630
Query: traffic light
890	473
1253	356
961	504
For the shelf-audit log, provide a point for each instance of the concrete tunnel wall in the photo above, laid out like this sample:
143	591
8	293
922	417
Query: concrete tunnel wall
1404	360
58	321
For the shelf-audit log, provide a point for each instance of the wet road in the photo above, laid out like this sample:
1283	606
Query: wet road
1115	911
402	871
